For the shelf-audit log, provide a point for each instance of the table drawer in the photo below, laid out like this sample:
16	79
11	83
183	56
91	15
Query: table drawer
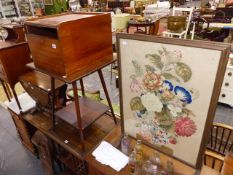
226	96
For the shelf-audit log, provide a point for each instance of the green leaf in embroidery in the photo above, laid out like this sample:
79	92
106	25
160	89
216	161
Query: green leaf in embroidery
164	119
156	60
150	68
136	104
169	76
188	112
138	68
183	71
160	52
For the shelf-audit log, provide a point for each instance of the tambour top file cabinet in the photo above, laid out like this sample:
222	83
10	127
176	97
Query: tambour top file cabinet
70	45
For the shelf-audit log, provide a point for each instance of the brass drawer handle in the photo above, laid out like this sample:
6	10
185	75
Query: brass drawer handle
229	74
226	84
223	95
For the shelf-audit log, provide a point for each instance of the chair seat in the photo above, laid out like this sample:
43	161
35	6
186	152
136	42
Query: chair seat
214	154
172	34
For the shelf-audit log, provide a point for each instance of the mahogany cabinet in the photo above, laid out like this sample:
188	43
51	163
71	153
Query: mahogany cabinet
70	45
15	33
13	58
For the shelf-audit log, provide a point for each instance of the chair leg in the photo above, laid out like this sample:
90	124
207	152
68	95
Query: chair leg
193	31
111	73
106	94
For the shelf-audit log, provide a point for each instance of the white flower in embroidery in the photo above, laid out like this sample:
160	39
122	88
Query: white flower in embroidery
152	102
174	108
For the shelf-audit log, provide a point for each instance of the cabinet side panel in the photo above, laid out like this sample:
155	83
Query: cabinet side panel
87	44
46	53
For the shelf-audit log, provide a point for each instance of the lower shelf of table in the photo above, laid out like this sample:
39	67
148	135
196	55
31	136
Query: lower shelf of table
90	111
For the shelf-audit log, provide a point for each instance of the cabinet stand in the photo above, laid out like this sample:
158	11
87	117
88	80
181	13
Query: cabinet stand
83	111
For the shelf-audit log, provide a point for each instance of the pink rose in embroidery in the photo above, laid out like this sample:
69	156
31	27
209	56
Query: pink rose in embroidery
136	85
172	140
184	126
152	81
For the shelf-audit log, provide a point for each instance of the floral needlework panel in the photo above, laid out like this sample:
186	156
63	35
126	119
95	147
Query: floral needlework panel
166	91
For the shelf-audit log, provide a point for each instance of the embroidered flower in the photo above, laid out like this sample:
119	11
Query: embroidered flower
185	127
174	109
171	56
167	85
152	102
183	94
172	140
152	81
167	95
135	85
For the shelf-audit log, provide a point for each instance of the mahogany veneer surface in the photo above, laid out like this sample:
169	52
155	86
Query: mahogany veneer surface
13	58
70	45
90	111
68	137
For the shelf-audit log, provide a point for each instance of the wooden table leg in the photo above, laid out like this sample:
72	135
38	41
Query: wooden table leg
53	103
82	87
106	94
5	90
8	90
78	113
16	98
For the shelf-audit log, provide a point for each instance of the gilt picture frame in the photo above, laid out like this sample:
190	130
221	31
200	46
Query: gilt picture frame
169	91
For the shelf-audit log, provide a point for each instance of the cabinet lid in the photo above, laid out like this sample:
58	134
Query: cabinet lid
55	20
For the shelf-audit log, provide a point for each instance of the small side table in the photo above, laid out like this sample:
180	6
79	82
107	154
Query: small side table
147	24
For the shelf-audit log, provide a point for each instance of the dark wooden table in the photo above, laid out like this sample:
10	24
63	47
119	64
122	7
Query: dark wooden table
148	25
114	137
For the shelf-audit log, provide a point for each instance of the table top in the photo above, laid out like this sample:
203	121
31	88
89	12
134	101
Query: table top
114	138
228	165
136	22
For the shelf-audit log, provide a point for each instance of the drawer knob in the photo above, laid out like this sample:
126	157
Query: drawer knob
229	74
226	84
223	95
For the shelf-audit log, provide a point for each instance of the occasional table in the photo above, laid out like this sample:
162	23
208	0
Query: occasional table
152	25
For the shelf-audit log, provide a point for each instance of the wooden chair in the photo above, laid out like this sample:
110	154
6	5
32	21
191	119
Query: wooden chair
220	142
182	34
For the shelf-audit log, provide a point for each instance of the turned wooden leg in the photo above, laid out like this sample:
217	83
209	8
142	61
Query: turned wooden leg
82	87
78	113
106	94
53	102
16	98
5	90
8	90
